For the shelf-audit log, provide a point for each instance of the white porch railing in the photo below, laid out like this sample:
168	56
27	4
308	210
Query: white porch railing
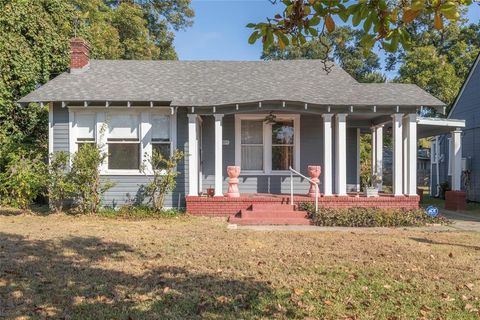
292	171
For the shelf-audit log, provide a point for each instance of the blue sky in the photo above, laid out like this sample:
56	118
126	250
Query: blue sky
219	31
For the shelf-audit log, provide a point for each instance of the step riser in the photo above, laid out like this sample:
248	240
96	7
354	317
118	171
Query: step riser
268	206
242	221
273	214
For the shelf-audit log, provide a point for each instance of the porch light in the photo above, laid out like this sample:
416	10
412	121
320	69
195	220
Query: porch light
270	119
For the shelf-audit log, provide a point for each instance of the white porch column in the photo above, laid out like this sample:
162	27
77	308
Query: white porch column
397	163
218	155
411	151
327	154
374	149
340	154
379	156
192	155
405	154
456	159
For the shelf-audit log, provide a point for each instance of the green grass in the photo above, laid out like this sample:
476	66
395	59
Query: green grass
472	207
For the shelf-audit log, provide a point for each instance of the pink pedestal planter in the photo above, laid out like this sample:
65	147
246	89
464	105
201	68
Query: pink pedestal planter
233	173
314	173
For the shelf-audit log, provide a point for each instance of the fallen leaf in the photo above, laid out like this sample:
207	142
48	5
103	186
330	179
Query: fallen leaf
387	286
298	291
469	286
328	302
166	289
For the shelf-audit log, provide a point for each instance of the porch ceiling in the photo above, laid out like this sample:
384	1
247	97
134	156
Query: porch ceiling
428	127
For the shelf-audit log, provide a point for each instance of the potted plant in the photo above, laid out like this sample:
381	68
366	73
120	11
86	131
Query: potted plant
371	186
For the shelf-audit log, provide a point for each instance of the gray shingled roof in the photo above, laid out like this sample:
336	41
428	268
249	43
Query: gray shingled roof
214	83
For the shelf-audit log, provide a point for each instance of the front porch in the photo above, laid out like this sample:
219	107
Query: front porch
265	139
224	206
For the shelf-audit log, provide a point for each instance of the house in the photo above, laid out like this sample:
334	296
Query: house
263	116
423	166
467	107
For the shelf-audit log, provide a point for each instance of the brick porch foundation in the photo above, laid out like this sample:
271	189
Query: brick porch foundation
455	200
222	206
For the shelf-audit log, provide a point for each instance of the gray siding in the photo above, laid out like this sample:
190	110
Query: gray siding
467	108
311	153
127	186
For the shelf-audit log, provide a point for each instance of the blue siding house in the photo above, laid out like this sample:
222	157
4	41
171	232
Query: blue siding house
467	107
273	119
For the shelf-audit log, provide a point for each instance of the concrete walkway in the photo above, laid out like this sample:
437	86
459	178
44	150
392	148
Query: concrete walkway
463	220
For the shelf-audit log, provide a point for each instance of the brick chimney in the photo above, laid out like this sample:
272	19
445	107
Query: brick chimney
79	55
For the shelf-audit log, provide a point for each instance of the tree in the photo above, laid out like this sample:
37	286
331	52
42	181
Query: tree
343	45
430	71
383	21
34	47
438	62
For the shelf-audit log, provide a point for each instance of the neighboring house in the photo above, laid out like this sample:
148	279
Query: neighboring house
264	116
466	106
423	167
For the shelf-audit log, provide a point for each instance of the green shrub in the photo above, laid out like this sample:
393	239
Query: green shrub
60	185
23	180
85	176
139	212
163	179
368	217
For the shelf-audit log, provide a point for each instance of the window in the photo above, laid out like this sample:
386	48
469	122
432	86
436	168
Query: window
128	136
161	135
252	144
267	148
123	141
85	129
282	145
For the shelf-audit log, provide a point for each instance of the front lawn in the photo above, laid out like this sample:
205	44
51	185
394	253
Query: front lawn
182	268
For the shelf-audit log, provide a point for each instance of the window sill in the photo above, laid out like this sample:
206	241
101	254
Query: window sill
261	173
128	173
122	173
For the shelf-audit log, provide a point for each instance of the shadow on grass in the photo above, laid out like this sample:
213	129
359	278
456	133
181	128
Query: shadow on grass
61	279
425	240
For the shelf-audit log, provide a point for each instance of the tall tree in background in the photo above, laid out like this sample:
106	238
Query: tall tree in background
34	47
438	61
343	45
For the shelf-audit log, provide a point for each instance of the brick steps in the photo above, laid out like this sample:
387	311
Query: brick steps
273	214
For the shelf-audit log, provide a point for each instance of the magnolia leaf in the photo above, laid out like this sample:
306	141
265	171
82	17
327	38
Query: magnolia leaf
418	5
409	15
438	22
357	17
253	37
368	23
314	21
329	23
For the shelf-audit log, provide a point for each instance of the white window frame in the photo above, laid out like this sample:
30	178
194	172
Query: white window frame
267	143
145	126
